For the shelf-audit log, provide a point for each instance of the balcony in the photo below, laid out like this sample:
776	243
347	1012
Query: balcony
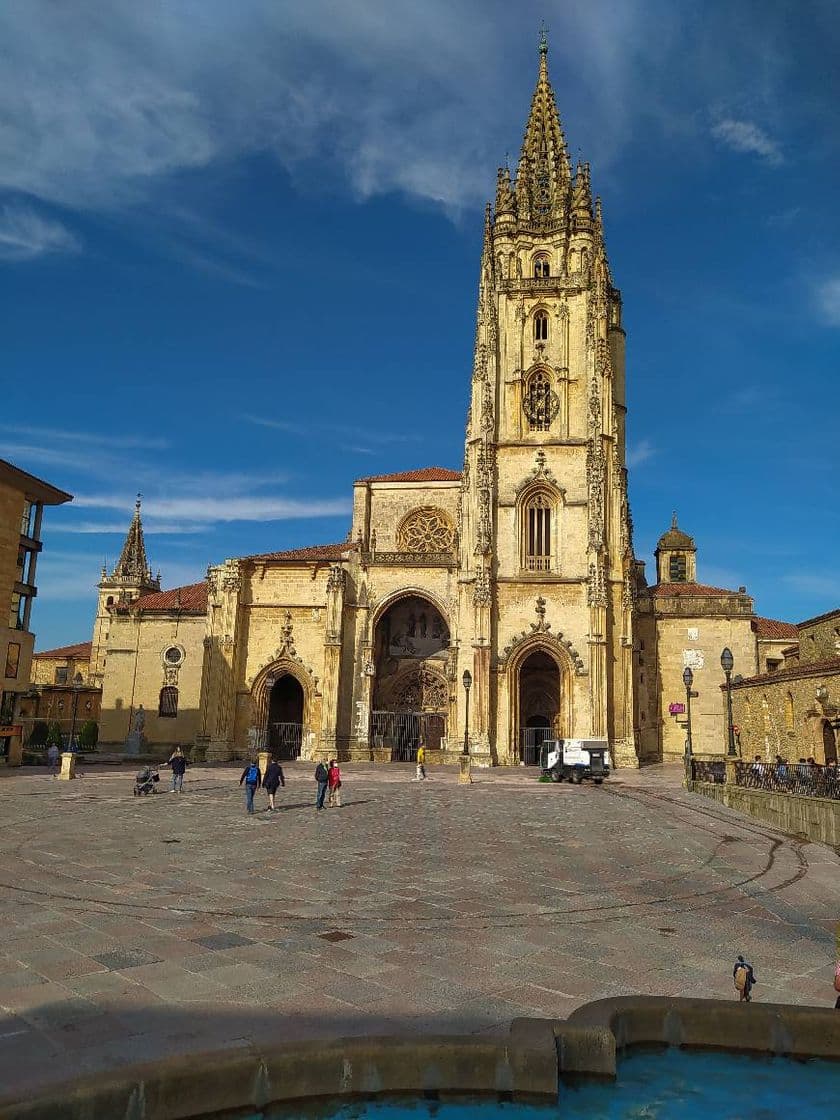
538	563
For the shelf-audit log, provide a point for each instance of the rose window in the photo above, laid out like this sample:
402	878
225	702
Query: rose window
426	530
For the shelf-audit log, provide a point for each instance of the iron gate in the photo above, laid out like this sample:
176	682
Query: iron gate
284	740
531	740
404	731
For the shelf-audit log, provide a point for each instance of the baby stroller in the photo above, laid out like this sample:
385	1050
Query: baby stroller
145	781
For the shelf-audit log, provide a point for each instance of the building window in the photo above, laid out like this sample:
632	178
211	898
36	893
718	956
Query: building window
677	568
61	674
772	664
12	660
168	703
173	656
17	613
27	519
541	403
541	326
789	712
541	267
538	534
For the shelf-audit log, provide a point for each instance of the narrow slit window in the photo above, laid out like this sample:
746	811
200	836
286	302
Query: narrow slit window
538	534
541	327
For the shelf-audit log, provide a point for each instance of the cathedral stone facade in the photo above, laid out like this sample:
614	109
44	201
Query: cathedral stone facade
515	574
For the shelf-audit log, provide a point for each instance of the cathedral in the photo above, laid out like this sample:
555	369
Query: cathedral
488	607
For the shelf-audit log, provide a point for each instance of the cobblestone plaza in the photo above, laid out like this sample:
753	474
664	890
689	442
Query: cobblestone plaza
139	928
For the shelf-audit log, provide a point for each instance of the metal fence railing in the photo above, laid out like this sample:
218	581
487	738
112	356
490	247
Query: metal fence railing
708	771
805	779
531	740
403	732
285	740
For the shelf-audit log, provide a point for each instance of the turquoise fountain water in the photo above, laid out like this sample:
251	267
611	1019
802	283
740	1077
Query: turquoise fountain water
664	1085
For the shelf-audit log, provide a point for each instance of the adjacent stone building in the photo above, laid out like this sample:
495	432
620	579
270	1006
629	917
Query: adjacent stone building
794	710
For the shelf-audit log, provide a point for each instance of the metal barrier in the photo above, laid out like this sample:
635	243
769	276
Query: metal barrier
403	732
284	740
705	771
531	740
804	779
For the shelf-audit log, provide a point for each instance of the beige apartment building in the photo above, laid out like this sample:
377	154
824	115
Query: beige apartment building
22	501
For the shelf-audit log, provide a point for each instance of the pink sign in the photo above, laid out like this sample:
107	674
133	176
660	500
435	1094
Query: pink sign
676	709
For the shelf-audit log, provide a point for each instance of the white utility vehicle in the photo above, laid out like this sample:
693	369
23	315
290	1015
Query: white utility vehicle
575	759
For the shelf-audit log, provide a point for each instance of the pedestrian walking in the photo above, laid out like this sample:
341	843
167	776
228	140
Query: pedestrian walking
334	785
178	764
53	758
421	763
273	778
251	778
744	978
322	776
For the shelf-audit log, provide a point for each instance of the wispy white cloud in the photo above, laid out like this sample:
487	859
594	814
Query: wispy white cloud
746	136
303	428
65	576
25	235
640	452
88	439
151	527
824	585
828	301
195	509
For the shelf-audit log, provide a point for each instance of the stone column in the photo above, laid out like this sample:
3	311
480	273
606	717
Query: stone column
333	638
222	684
68	766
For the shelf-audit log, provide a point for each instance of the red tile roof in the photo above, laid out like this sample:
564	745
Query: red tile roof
313	552
771	628
191	598
80	649
666	590
425	474
829	666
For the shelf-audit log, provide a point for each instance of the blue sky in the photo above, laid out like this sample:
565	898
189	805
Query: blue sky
239	248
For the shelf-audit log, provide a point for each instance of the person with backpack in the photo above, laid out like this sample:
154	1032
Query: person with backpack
334	784
273	778
322	777
744	978
251	778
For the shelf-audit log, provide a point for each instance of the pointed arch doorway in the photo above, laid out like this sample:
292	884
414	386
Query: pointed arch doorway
285	717
538	695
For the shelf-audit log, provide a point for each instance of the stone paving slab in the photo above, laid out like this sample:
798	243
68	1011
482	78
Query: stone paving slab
178	923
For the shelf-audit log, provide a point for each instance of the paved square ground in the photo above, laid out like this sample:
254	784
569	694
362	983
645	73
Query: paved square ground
139	927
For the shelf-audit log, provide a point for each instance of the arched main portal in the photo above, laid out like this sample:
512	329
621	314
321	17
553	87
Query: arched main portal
410	700
829	742
285	717
538	696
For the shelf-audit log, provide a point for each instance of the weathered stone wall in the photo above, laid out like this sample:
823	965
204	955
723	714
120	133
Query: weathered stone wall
814	817
783	716
44	668
820	639
698	642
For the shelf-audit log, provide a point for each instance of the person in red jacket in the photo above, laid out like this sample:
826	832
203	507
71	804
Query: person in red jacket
334	784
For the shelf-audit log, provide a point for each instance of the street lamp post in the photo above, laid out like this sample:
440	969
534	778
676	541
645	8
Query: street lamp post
77	684
727	661
688	681
467	680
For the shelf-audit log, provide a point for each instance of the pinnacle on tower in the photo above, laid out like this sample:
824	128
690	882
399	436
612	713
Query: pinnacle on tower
544	172
133	564
582	195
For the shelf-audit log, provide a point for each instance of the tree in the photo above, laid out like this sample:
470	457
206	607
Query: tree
88	735
54	736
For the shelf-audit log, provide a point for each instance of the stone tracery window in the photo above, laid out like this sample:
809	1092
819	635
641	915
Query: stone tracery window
541	267
426	530
541	404
537	532
540	326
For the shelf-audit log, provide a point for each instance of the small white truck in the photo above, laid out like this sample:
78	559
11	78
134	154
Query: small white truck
575	759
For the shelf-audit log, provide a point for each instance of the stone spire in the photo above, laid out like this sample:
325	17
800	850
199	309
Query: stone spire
544	172
133	565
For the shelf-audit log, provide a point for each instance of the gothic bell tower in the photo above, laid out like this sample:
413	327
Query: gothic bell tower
130	578
546	559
